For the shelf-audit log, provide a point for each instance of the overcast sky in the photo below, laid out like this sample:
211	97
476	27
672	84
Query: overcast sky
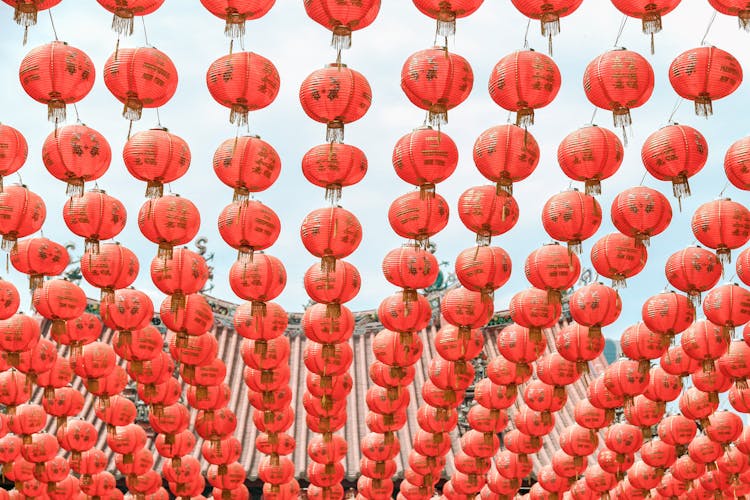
194	38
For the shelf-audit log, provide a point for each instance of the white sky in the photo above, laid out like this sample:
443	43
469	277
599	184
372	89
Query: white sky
194	38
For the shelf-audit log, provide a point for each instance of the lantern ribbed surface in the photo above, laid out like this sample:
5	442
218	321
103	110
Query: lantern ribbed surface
590	154
693	270
156	156
723	225
169	221
618	257
418	218
425	157
13	150
248	227
506	154
641	212
95	216
75	154
331	233
487	212
334	166
675	153
248	164
26	212
236	12
572	217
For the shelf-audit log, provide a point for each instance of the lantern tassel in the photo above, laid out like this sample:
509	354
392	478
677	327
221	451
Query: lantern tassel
618	281
437	115
122	22
446	24
680	188
238	114
91	245
644	366
703	106
582	367
743	19
524	117
235	25
333	310
426	191
550	28
133	108
575	247
593	187
335	132
245	254
484	238
241	195
695	298
165	251
177	302
25	14
56	111
333	193
328	263
154	189
504	185
341	38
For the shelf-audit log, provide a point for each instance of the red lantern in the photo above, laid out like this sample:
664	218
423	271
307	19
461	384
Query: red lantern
623	439
515	344
248	164
415	217
249	226
723	225
185	273
483	269
333	166
243	82
595	305
410	267
735	161
487	212
335	95
737	8
676	362
127	310
641	212
321	327
455	344
506	154
704	342
125	11
437	81
95	216
618	257
342	18
703	75
75	154
693	270
446	13
466	309
139	78
331	233
9	299
697	405
524	81
578	344
25	211
59	300
571	216
396	314
641	344
590	154
626	378
548	12
649	12
668	313
604	83
39	257
532	309
114	267
552	268
56	74
169	221
157	157
727	306
724	427
425	157
332	287
235	13
13	151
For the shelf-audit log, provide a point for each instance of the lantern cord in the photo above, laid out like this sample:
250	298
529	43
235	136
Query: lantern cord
52	22
643	179
721	194
708	28
593	115
158	118
526	35
78	118
677	105
622	28
231	46
145	33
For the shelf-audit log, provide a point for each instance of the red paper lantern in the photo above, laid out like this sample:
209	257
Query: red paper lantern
604	83
516	345
17	334
13	151
185	273
248	164
506	154
668	313
95	216
157	157
724	427
649	12
139	78
9	299
342	18
723	225
39	257
524	81
321	327
571	216
243	82
737	8
676	362
331	233
55	74
736	165
532	309
248	227
395	313
704	342
704	74
641	344
483	269
578	344
416	217
641	212
548	12
25	213
618	257
112	268
590	154
333	166
552	268
727	306
487	212
127	310
125	11
410	267
235	13
76	154
675	153
59	300
595	305
332	287
437	81
169	221
693	270
466	309
425	157
25	11
335	95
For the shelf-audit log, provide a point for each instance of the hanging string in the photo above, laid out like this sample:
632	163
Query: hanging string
52	22
593	115
78	118
145	33
231	46
721	193
708	28
158	119
643	179
677	105
526	35
622	28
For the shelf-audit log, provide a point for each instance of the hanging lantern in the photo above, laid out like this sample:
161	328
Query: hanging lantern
532	309
59	301
572	217
259	281
425	157
13	151
76	154
641	212
524	81
342	18
705	342
619	80
506	154
727	306
39	257
169	221
243	82
47	76
668	313
332	287
249	227
487	212
157	157
25	213
411	268
125	11
548	12
693	270
723	225
184	273
446	13
483	269
335	95
330	234
415	217
648	11
95	216
736	161
437	81
139	78
703	75
595	305
465	309
618	257
333	166
590	154
235	13
737	8
248	164
9	299
675	153
641	344
552	268
398	315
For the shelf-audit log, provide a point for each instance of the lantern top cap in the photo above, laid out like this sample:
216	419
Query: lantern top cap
336	65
